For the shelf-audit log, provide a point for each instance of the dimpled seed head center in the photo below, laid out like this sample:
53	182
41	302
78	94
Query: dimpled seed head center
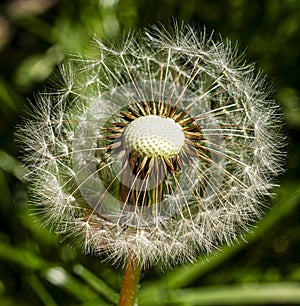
154	136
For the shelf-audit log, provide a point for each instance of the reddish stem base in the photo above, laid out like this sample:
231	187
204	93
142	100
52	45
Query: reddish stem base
130	284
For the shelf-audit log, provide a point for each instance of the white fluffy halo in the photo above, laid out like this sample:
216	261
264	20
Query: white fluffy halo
205	195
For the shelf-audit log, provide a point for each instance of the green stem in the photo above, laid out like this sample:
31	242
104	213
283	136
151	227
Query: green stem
128	296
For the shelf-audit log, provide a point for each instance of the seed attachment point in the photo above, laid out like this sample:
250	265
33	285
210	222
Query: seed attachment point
154	135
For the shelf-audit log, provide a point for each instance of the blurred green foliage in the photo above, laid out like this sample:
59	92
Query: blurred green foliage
35	267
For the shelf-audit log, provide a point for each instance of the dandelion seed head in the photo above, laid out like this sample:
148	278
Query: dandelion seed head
162	148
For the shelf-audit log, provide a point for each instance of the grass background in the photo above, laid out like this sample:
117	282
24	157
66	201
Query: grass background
35	268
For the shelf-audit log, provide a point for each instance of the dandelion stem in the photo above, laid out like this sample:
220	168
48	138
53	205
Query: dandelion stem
128	296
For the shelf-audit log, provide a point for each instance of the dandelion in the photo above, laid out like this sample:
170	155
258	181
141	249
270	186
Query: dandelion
154	150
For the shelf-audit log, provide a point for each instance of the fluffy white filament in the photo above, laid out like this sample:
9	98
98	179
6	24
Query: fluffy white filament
211	199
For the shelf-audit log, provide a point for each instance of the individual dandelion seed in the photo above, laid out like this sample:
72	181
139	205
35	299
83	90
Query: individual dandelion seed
155	150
